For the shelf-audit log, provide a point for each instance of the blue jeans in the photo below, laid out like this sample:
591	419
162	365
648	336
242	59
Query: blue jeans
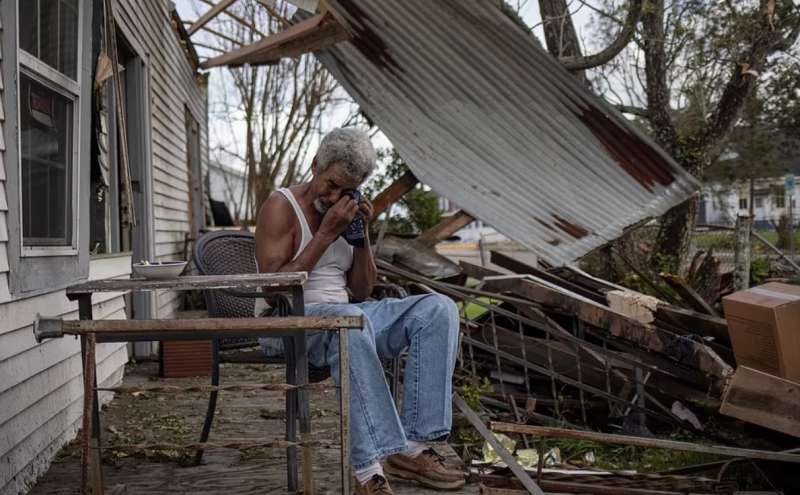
428	326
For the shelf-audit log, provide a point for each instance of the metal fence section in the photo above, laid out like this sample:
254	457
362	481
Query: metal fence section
773	248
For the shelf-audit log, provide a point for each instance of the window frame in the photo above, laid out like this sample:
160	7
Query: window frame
51	78
49	270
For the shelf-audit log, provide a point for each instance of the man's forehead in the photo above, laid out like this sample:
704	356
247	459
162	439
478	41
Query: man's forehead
339	175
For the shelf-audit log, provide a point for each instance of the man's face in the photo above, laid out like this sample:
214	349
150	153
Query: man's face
329	185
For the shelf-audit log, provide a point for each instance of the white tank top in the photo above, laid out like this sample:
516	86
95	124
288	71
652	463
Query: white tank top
327	282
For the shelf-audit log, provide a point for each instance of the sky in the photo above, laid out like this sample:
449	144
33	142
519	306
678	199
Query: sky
220	133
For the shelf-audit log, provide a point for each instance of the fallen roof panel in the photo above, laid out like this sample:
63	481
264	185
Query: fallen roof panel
490	121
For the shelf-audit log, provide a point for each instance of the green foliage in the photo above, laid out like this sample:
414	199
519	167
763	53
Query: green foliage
759	270
472	390
666	263
622	457
421	206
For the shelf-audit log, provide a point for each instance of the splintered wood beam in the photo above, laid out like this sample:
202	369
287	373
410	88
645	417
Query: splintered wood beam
445	228
209	15
316	33
393	193
763	399
688	294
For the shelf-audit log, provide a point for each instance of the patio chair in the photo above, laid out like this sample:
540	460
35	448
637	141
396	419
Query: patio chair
233	252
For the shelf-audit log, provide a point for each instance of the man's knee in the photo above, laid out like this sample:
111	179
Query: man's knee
440	309
441	306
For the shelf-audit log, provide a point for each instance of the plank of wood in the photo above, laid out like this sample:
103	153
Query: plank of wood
695	322
209	15
504	454
592	436
444	229
520	267
688	294
393	193
763	399
194	282
476	271
315	33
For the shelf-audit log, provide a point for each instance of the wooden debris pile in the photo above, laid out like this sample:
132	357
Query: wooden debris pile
561	348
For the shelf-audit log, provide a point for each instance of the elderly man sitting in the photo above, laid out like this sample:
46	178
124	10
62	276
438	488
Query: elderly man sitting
307	227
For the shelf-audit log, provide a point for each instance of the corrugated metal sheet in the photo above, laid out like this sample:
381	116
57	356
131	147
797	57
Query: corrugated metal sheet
489	120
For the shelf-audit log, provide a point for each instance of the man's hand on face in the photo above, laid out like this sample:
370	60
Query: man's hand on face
366	210
338	217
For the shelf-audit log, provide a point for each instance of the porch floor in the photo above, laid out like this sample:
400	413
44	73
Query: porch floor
177	418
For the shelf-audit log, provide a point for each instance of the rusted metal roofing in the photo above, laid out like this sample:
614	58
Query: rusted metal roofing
489	120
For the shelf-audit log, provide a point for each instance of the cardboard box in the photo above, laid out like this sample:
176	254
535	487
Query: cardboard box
764	325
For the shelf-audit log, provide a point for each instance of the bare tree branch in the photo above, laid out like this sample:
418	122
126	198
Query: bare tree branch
638	111
620	42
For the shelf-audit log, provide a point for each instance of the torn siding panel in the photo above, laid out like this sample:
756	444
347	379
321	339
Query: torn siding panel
492	122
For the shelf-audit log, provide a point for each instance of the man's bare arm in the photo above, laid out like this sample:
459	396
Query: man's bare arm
362	275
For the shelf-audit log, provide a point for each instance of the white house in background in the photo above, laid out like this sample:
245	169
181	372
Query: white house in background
227	184
61	218
475	230
721	203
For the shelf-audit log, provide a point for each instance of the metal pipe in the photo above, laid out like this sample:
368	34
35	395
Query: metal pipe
201	329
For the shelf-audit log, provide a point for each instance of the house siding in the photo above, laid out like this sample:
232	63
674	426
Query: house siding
41	383
4	293
173	88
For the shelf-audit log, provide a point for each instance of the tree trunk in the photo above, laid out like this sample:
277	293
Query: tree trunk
559	33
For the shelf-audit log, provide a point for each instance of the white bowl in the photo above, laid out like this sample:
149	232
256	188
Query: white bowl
159	270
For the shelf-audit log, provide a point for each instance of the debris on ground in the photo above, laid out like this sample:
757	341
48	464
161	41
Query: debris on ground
561	348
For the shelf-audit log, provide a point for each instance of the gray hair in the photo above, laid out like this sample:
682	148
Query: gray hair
349	146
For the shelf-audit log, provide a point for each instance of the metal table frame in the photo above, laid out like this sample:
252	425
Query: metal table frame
146	330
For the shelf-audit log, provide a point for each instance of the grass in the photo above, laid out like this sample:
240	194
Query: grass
726	240
627	458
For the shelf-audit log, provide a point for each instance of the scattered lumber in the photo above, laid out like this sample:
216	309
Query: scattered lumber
764	400
651	337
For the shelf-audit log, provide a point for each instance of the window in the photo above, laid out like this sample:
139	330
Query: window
780	201
48	122
742	203
46	154
759	202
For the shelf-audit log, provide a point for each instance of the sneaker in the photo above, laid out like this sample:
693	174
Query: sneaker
377	485
427	469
